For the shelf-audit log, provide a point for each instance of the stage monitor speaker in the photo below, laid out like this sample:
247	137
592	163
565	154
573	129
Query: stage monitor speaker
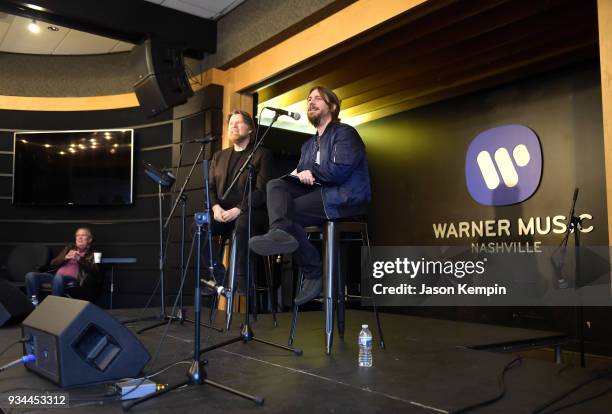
160	81
14	305
75	342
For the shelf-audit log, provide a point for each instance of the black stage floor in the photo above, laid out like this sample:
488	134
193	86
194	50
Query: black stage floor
428	367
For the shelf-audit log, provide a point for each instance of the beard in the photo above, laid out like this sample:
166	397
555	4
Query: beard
239	140
314	119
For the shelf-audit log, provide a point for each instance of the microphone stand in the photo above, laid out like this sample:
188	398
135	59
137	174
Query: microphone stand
575	224
163	317
162	293
246	333
196	374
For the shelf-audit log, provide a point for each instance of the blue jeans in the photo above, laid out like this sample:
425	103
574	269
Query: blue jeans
58	283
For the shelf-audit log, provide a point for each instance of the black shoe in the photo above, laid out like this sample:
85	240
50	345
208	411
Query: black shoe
276	241
311	289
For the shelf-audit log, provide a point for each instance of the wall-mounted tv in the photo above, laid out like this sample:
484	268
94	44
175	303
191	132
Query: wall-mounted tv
73	167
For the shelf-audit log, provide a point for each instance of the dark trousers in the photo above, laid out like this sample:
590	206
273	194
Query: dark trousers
291	207
58	283
259	220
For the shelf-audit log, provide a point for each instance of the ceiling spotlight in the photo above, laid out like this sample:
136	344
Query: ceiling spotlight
53	28
34	7
72	150
62	153
115	145
33	27
47	146
24	141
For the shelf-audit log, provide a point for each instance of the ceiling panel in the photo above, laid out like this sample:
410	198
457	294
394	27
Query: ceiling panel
196	10
209	9
16	38
122	47
19	38
78	43
5	22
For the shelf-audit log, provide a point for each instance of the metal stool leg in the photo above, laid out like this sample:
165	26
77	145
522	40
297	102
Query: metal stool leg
340	292
231	282
298	288
329	264
213	310
269	281
253	289
366	238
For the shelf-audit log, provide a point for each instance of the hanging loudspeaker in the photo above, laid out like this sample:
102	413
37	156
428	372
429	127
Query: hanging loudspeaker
160	81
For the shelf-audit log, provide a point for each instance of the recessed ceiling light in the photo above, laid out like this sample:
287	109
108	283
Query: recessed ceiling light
34	7
33	27
53	28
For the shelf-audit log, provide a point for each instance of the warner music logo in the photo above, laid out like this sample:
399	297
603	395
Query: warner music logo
503	165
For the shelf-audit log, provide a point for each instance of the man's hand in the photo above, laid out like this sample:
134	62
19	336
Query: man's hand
218	213
72	254
306	177
231	214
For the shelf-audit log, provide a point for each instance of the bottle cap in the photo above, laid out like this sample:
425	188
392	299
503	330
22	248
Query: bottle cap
365	325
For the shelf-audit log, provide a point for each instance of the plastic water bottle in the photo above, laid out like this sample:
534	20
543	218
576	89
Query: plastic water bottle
365	347
34	300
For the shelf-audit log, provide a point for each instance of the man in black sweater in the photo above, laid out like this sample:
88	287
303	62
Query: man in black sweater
231	213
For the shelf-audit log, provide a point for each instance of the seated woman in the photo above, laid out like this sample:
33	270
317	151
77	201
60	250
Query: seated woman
74	264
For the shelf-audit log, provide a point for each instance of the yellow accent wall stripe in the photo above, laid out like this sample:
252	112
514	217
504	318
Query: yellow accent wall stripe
85	103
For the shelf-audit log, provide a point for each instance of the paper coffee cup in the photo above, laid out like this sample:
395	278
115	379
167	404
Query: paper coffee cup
97	257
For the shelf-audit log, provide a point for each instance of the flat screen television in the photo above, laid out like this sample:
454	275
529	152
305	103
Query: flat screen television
73	167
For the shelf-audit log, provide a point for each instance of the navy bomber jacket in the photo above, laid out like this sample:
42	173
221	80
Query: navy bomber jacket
343	170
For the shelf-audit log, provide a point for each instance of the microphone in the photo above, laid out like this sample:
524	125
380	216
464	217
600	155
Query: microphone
206	140
213	286
294	115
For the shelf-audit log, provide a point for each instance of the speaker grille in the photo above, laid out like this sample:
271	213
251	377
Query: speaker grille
160	81
97	347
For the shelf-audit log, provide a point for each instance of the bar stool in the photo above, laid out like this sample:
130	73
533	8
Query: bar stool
332	233
231	281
